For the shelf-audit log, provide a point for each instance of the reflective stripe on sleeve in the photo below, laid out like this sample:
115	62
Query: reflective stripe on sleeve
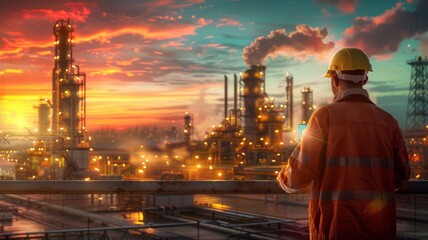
354	196
360	162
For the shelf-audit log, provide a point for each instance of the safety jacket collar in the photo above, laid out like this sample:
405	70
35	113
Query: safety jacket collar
342	95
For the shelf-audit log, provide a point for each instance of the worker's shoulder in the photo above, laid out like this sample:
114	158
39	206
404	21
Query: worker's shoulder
323	110
367	107
384	113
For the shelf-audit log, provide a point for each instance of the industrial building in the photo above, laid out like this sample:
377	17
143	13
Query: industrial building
248	143
61	149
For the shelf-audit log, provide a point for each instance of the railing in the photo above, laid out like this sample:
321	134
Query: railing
157	187
153	187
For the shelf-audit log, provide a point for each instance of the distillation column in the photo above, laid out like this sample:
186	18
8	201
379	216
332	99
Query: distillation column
307	104
188	128
253	94
69	96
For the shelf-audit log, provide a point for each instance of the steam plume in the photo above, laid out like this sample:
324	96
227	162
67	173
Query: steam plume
302	43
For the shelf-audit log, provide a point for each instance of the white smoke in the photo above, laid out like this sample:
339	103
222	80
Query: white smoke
204	115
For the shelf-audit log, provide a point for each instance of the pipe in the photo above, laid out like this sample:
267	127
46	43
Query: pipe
160	187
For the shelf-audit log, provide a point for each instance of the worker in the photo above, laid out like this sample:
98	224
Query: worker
353	154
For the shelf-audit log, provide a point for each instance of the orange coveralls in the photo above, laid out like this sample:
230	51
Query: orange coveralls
354	154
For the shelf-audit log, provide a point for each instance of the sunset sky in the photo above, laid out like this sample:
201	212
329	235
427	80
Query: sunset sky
149	62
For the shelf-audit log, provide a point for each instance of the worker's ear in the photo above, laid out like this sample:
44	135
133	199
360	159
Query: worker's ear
365	81
335	80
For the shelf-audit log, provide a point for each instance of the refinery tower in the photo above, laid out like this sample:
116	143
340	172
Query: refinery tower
69	97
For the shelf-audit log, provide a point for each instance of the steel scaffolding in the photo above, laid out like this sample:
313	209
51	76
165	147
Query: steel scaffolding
417	117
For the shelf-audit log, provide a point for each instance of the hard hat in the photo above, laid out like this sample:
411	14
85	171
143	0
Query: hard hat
348	59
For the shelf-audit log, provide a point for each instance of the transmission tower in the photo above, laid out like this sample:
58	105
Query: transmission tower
417	117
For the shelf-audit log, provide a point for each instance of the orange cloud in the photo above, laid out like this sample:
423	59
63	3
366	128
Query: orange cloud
345	6
126	62
104	72
77	12
14	71
172	44
10	53
164	32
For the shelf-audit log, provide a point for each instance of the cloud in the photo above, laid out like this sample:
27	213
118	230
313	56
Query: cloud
174	4
13	71
204	21
143	31
228	22
345	6
368	33
77	12
301	44
214	45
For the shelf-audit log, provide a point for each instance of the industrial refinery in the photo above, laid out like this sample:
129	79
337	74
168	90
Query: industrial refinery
248	144
252	142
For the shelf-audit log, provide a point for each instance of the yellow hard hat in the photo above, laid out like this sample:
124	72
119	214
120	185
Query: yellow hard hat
348	59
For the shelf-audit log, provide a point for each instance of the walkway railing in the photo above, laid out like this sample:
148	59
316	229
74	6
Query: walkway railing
157	187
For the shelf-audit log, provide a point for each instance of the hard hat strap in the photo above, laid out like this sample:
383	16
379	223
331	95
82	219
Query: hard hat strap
353	78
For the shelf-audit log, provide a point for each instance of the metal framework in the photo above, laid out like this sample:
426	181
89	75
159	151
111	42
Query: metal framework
163	187
416	131
68	89
417	108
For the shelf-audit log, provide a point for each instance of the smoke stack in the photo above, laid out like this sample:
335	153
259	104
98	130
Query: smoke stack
289	101
225	97
235	100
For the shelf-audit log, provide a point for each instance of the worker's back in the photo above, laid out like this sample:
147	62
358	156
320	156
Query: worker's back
354	154
354	196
